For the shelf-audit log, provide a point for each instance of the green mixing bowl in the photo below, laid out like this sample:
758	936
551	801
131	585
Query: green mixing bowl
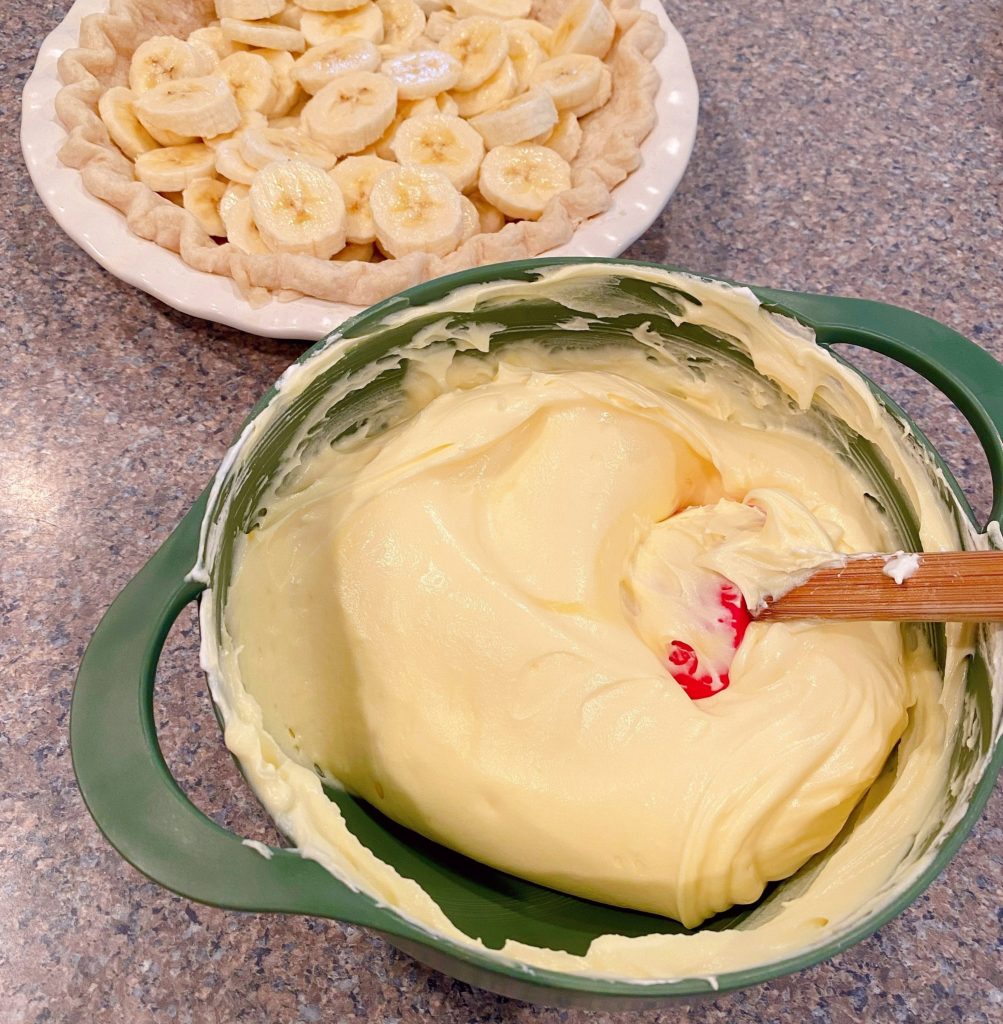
149	820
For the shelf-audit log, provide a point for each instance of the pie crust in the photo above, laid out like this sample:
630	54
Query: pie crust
610	150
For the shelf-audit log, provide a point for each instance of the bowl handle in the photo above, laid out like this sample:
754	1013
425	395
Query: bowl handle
128	787
968	375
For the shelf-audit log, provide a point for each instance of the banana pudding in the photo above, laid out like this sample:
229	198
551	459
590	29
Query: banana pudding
460	594
454	134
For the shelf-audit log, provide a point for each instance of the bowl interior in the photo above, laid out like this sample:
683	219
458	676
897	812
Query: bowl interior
484	903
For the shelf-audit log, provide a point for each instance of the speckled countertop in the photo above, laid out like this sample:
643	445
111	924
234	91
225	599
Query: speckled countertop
846	147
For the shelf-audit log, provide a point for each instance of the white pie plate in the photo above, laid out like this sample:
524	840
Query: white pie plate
101	230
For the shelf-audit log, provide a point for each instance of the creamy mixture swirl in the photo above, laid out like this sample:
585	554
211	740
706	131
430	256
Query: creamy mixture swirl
467	620
469	629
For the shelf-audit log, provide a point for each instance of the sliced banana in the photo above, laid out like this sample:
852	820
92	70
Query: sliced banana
571	79
248	119
165	59
492	219
291	16
403	21
416	209
231	165
164	136
599	98
419	108
492	8
352	252
355	176
438	23
480	45
364	22
521	180
566	138
241	231
250	79
433	84
446	104
210	57
267	35
382	146
471	220
587	26
190	106
297	109
249	10
327	6
287	90
211	41
232	193
320	64
298	208
498	88
423	74
443	143
526	55
531	27
419	43
263	146
351	112
124	128
201	199
519	119
173	168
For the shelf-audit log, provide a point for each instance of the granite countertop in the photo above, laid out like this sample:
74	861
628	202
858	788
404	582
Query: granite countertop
852	148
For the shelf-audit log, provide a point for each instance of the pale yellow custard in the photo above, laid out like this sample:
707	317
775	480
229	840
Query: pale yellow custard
464	617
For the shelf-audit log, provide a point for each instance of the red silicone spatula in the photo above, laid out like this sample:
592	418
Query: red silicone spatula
944	586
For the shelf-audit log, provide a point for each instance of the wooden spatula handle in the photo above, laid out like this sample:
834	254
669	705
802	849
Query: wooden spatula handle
950	586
